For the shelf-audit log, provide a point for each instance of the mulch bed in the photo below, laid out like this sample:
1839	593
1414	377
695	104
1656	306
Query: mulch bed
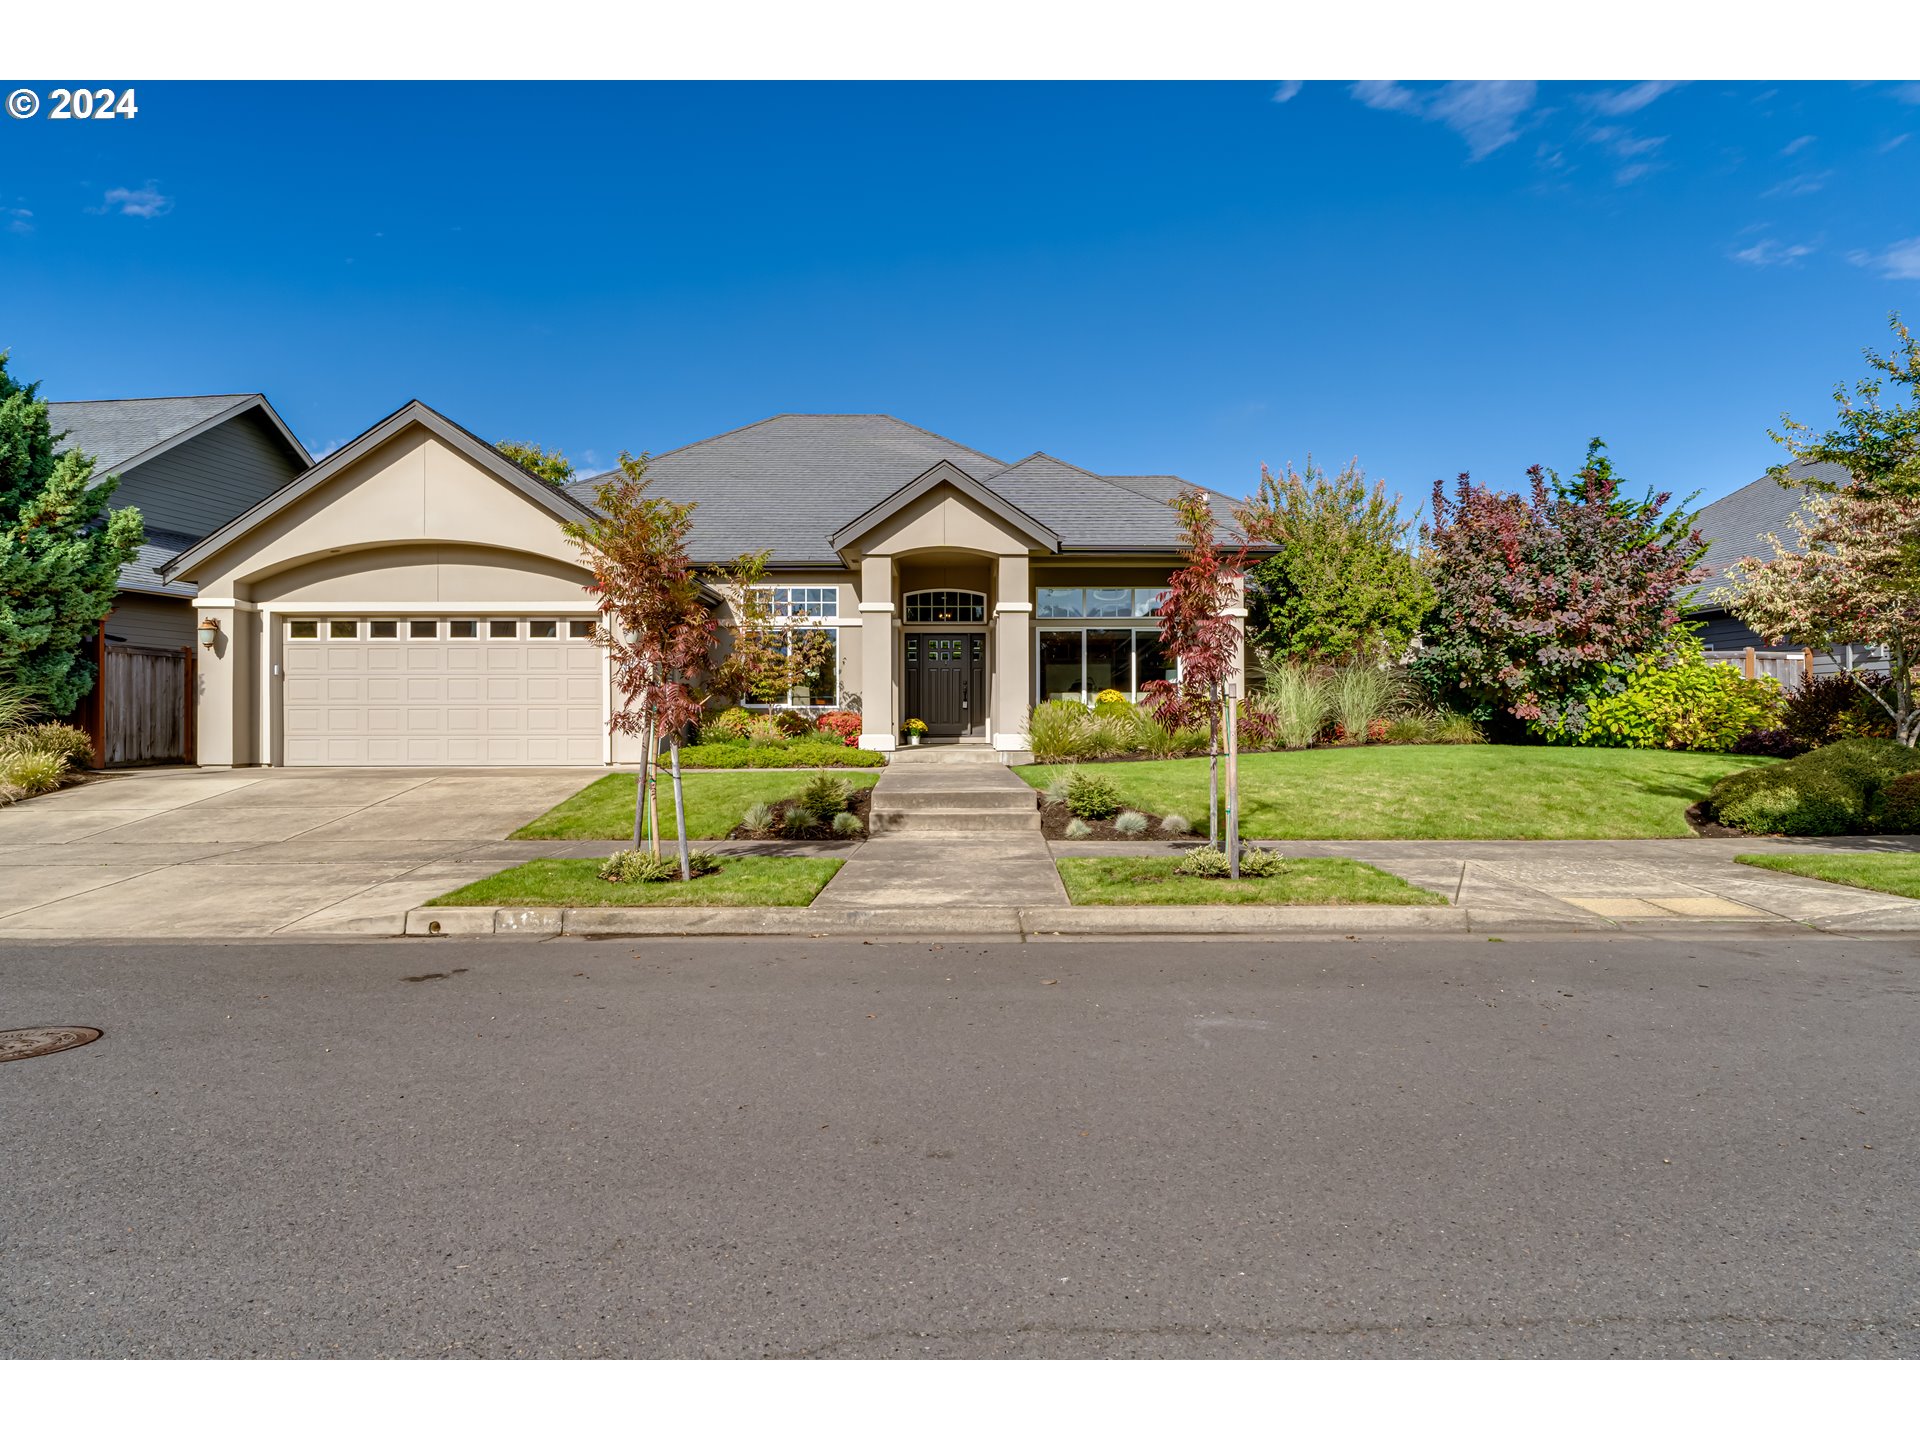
1055	818
1698	822
858	806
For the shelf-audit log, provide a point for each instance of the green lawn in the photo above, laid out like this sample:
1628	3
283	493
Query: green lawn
715	803
1894	874
740	880
1149	880
1436	792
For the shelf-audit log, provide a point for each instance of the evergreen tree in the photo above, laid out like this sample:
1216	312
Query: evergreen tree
61	549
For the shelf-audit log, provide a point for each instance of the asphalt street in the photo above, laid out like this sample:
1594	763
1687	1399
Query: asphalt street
1634	1145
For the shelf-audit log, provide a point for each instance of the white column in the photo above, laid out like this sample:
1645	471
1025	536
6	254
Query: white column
1012	657
880	724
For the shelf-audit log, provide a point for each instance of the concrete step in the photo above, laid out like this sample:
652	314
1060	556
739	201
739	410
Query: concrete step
887	798
953	821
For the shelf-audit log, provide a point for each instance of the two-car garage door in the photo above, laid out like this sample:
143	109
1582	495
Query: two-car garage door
446	690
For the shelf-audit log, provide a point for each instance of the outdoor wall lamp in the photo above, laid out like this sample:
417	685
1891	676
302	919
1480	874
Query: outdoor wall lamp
209	630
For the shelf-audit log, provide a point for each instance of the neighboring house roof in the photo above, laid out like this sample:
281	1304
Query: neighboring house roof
1735	526
792	483
458	437
120	434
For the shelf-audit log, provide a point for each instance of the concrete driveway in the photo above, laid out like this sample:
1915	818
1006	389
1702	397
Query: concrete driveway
259	852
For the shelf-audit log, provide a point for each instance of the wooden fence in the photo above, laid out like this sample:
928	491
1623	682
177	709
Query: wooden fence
1789	667
145	704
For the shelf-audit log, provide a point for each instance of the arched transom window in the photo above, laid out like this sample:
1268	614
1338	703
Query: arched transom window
935	607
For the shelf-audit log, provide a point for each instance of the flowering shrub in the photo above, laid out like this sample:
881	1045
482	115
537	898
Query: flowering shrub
1675	700
1110	696
915	727
843	723
1543	601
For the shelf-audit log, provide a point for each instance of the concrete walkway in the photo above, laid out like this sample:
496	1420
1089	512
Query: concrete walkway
951	827
1587	884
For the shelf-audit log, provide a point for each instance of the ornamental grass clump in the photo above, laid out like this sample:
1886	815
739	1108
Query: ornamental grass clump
628	867
1360	697
1210	864
1175	825
31	772
1078	829
1130	823
1298	700
758	820
847	826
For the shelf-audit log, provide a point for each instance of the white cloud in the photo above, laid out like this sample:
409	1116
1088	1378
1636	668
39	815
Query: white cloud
1485	113
1896	142
20	222
1794	146
146	202
1634	97
1907	94
1899	261
1798	185
1766	253
1286	90
1634	151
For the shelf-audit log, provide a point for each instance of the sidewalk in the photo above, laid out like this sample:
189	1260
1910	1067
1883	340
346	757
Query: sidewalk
943	887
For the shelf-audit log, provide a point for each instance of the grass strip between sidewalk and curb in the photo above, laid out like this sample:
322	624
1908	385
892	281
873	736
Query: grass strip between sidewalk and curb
1150	880
1890	874
715	803
774	880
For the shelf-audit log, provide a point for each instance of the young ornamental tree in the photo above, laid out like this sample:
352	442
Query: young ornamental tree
765	658
1343	582
61	549
1544	601
1200	635
1847	579
655	622
1877	444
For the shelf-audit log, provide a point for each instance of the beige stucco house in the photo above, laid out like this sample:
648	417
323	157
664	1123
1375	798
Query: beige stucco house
411	600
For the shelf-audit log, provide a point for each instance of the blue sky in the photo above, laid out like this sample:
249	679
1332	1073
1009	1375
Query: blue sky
1185	278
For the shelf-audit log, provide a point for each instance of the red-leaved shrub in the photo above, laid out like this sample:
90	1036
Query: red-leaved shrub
843	725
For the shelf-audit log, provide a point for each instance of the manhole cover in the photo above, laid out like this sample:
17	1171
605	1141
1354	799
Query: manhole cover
45	1040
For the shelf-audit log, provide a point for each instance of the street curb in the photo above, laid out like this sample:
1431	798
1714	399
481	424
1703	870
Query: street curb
1113	922
993	921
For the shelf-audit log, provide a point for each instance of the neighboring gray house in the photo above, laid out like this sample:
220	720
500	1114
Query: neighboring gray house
189	464
1735	528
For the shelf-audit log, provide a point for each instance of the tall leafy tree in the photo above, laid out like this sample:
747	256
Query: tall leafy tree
1544	601
1197	631
1846	578
1343	582
548	465
61	549
655	621
1877	442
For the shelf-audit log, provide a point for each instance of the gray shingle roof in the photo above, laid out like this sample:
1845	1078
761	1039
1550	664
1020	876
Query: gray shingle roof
1735	526
789	482
142	573
115	431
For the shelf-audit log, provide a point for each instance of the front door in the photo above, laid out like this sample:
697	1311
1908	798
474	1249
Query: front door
946	682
